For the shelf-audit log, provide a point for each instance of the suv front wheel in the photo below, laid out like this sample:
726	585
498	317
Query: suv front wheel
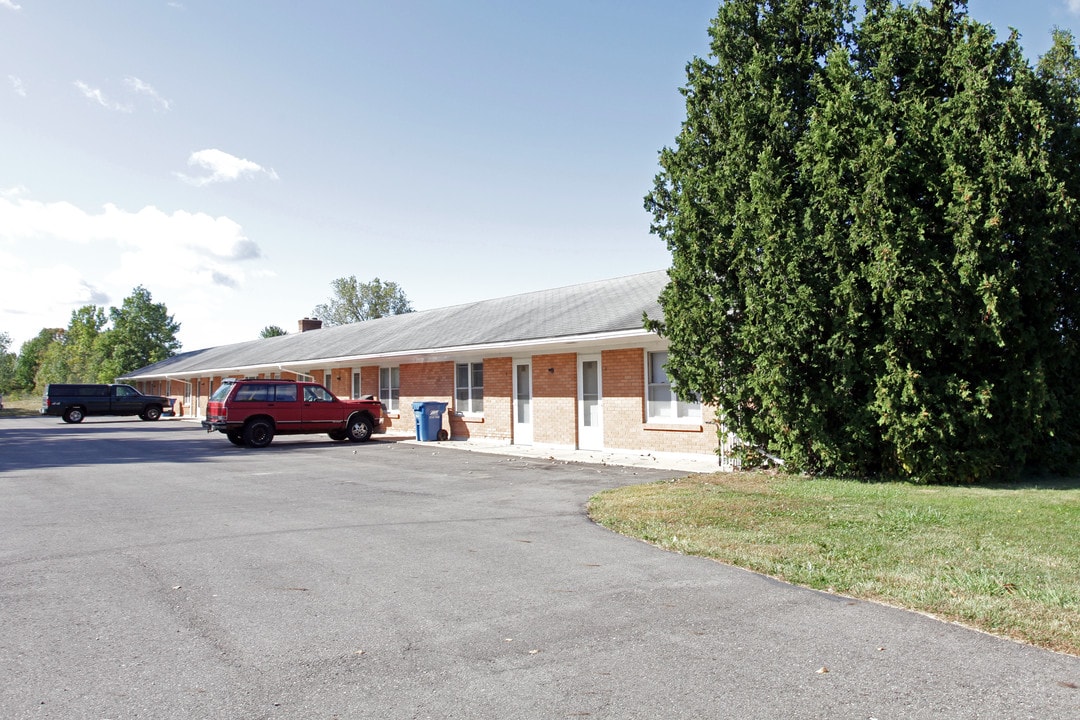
359	429
258	433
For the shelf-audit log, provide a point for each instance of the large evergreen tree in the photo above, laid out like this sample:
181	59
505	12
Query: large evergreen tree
872	240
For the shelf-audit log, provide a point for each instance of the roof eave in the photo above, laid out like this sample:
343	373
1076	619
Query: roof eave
611	338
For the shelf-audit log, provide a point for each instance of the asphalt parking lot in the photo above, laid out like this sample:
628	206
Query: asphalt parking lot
149	570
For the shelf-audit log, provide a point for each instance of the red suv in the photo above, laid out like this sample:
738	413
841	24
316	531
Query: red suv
251	412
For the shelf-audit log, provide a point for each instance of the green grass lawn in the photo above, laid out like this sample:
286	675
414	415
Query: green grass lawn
1004	559
21	407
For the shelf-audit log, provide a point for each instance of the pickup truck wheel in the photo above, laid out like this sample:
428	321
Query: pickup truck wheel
236	437
359	429
258	433
151	413
73	415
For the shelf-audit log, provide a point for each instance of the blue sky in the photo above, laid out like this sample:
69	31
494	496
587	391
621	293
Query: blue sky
236	157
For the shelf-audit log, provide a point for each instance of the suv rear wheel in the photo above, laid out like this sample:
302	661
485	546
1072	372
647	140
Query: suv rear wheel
258	433
74	415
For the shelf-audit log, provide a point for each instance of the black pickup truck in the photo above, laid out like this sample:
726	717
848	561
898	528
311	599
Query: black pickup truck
75	402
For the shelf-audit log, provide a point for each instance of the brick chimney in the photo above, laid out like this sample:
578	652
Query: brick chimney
310	324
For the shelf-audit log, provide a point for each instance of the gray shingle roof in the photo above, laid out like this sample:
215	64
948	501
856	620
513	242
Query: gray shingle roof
605	306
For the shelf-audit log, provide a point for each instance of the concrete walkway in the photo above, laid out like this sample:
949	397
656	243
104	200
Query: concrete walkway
679	462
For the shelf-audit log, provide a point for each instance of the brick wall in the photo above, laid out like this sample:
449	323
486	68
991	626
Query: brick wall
555	399
625	412
498	393
369	380
423	381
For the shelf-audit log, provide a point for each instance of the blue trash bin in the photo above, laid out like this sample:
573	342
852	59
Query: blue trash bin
428	415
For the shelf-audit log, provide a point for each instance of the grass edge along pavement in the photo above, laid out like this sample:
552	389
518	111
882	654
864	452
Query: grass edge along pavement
1004	559
21	406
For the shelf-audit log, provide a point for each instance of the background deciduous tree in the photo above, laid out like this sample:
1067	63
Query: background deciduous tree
82	344
31	355
142	333
95	349
7	365
272	331
354	301
874	239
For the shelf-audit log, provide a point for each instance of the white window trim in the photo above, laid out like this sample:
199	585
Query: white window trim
457	409
652	408
356	385
389	408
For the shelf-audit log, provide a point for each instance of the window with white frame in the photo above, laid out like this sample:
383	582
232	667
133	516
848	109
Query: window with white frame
356	385
663	403
327	379
389	388
469	388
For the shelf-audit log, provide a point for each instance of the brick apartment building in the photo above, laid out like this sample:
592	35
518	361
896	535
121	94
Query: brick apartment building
570	367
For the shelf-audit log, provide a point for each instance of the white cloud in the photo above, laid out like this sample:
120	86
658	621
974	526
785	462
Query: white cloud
132	86
1074	6
144	88
96	95
196	237
17	85
38	296
223	167
57	257
10	4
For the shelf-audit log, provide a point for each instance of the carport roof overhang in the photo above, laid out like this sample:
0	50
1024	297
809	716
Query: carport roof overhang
592	342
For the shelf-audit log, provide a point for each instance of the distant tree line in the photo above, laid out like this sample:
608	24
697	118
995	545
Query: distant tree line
97	346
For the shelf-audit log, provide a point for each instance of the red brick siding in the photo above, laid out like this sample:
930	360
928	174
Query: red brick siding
555	399
423	381
498	394
625	411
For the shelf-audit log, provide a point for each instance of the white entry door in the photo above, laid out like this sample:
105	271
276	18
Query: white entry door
590	403
523	428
